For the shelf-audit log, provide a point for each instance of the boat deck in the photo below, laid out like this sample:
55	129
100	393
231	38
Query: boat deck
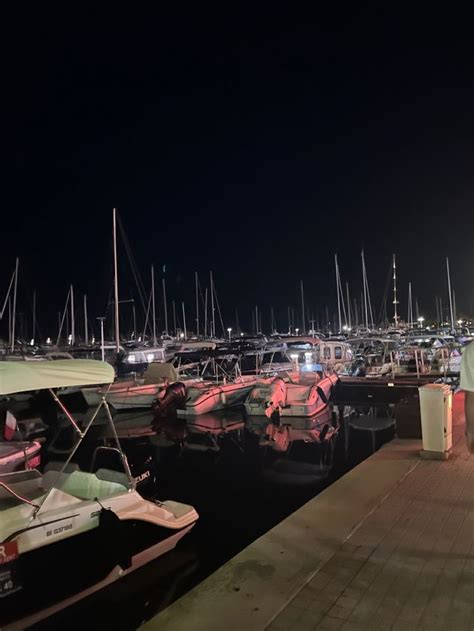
388	546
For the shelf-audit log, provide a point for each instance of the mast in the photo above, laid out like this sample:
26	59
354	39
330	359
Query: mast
256	320
348	306
86	330
237	328
14	303
73	324
410	307
450	295
196	279
289	321
205	313
134	312
174	318
34	316
303	321
213	314
153	306
116	286
395	301
364	285
163	283
338	293
272	318
184	321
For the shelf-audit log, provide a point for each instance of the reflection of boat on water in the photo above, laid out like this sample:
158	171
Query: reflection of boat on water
98	510
206	431
307	444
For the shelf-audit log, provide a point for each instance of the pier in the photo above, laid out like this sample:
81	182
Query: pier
387	546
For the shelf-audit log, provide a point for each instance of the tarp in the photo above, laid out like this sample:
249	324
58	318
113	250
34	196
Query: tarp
21	376
158	372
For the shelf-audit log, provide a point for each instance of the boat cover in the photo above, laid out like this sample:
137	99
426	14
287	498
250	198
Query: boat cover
23	376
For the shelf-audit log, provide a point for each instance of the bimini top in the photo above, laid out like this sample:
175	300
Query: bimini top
20	376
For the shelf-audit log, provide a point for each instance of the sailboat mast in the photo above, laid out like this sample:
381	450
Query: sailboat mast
410	307
153	306
213	314
196	279
34	316
338	293
303	321
165	305
73	324
364	284
205	313
14	303
450	295
86	327
184	322
348	306
116	286
395	301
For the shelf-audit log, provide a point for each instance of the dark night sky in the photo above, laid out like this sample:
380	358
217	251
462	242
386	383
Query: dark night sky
258	145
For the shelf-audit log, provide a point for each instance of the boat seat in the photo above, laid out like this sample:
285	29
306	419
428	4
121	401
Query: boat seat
83	485
297	393
118	477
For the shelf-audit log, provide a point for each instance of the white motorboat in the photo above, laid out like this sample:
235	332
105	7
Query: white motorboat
129	395
84	530
296	394
205	397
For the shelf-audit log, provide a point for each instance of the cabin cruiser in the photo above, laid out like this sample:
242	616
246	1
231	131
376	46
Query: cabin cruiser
292	394
84	529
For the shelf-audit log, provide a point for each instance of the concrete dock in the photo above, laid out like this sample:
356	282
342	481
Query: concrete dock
388	546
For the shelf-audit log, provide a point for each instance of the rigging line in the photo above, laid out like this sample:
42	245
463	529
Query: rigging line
218	308
132	262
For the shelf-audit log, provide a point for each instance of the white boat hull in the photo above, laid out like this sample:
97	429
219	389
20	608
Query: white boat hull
216	397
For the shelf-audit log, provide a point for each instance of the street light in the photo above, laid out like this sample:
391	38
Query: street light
229	331
297	331
421	319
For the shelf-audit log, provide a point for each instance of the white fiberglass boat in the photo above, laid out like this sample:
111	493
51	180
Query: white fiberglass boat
81	530
296	394
205	397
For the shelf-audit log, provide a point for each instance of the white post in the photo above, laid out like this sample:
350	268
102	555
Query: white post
86	323
153	311
116	287
14	303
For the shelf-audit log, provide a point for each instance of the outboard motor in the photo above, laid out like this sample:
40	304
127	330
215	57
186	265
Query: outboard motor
174	397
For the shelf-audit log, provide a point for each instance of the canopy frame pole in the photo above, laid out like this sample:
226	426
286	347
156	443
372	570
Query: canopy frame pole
66	412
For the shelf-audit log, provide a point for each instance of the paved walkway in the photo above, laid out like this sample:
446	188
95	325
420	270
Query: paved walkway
388	546
410	565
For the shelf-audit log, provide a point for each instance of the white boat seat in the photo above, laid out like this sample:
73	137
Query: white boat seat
83	485
297	393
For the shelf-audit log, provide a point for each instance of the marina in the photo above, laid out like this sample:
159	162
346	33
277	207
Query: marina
236	320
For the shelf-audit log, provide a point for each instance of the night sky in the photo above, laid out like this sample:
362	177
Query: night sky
255	145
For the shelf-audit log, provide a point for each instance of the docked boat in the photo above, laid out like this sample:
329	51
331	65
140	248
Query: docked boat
18	455
295	394
205	397
52	522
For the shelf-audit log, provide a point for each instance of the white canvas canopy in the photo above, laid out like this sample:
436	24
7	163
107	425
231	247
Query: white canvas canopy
18	376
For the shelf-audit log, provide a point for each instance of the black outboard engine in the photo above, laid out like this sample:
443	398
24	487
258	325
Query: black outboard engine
173	398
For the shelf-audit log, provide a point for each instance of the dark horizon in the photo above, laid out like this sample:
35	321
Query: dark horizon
257	148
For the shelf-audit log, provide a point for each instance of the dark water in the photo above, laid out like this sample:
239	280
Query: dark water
241	484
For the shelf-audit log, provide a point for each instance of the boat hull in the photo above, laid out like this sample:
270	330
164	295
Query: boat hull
216	398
